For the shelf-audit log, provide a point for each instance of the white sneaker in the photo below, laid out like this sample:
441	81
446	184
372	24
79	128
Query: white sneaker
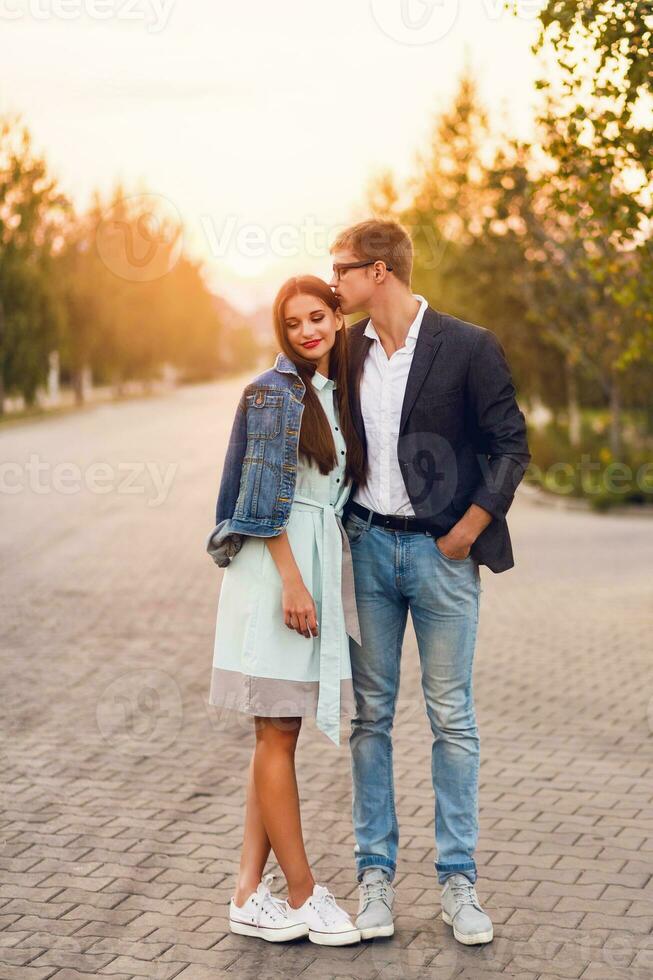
265	916
328	924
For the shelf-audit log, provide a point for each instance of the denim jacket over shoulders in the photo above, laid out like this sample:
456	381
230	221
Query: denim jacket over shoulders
260	466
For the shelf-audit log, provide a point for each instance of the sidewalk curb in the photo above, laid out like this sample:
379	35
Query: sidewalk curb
545	499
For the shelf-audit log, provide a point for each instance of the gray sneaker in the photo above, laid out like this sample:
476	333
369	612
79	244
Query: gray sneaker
375	898
462	910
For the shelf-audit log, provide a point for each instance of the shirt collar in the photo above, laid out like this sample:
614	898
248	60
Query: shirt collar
319	381
413	332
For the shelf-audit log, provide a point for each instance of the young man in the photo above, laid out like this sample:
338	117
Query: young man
434	404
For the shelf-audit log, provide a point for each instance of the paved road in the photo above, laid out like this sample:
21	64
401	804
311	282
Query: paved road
123	797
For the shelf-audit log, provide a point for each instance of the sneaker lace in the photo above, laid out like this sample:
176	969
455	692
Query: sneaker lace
373	890
327	907
276	907
464	892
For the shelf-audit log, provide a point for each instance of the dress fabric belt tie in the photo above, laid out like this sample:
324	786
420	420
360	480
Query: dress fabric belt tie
337	579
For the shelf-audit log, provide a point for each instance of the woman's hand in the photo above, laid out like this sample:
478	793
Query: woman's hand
299	612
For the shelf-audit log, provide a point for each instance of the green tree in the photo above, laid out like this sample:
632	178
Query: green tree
596	134
465	262
133	299
89	301
32	212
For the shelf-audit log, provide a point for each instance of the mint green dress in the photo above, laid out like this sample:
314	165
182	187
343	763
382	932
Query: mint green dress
260	665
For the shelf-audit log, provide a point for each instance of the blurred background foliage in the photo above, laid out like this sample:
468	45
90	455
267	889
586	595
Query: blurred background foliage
548	243
110	290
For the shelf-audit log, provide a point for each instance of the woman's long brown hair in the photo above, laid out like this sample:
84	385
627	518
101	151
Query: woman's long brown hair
315	437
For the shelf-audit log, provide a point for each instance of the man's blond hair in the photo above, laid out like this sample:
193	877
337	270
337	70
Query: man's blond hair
380	239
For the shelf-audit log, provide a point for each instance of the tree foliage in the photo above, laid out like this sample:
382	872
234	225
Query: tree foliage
110	289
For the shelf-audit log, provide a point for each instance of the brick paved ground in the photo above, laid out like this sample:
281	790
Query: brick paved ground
123	799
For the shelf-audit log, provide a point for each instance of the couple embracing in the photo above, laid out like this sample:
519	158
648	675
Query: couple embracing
368	472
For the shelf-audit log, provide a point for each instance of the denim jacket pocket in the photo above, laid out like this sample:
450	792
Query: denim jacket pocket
264	414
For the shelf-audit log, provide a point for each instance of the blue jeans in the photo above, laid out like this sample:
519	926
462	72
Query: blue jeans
395	571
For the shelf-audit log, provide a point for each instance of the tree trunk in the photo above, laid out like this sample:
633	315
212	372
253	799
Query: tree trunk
53	389
615	418
573	407
82	379
2	359
78	385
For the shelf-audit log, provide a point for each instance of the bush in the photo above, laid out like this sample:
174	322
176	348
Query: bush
589	472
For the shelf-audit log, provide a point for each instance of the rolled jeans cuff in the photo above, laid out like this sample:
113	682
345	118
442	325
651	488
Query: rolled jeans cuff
468	868
374	862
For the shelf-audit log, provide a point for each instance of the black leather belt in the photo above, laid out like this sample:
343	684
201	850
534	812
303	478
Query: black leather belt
393	521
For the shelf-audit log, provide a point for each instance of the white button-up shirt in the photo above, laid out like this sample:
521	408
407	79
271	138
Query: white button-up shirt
382	390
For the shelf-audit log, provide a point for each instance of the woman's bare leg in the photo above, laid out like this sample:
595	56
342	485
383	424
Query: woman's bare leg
256	845
277	797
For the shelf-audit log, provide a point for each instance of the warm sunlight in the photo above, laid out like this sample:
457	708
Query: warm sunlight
258	122
326	481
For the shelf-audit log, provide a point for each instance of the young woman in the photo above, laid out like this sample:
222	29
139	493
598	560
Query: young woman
287	601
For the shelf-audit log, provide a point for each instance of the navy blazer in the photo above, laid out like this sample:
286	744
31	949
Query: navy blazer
462	436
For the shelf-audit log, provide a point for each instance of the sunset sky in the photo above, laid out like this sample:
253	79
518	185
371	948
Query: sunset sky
259	123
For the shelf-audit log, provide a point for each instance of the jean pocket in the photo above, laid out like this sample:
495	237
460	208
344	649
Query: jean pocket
453	561
354	528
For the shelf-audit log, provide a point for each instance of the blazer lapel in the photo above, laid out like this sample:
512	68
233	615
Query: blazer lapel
428	343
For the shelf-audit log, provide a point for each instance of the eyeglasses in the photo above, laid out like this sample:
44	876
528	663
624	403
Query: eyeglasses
340	267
